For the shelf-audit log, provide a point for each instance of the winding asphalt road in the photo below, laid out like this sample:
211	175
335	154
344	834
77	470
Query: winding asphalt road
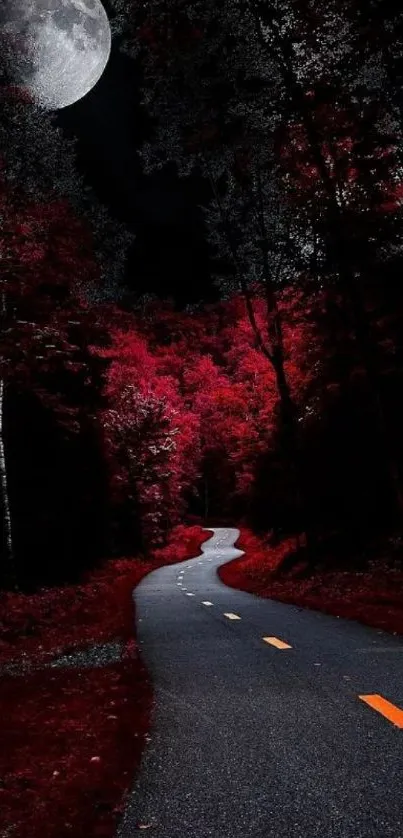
250	740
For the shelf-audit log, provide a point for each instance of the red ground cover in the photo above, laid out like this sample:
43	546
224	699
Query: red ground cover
71	739
373	596
57	620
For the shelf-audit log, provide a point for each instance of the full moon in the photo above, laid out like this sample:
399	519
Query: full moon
56	50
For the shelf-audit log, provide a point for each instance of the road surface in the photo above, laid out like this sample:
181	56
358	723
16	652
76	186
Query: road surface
256	738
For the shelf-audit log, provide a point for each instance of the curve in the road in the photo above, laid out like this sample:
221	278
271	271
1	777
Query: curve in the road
268	719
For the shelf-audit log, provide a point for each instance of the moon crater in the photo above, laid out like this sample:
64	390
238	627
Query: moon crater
56	50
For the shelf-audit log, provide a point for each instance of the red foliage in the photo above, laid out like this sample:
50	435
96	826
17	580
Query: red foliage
192	396
183	542
373	597
151	439
71	740
57	620
339	132
46	257
70	743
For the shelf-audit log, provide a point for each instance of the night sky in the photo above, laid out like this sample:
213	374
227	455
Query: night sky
169	257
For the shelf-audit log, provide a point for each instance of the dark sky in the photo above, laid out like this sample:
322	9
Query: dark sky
169	257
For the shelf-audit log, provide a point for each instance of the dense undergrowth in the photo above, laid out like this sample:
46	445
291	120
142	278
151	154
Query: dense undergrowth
71	739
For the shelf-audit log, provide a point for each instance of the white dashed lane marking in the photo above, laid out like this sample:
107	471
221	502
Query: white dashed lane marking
376	702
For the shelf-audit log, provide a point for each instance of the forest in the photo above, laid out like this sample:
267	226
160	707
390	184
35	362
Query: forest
276	407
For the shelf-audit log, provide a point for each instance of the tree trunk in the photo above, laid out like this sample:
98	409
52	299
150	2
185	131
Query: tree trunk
369	357
292	449
8	571
273	348
276	354
348	281
206	499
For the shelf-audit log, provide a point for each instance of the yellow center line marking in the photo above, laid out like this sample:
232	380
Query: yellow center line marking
232	616
207	603
279	644
386	708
